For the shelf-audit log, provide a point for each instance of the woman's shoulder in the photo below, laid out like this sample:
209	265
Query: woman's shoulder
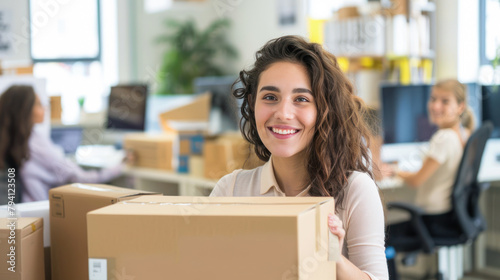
360	182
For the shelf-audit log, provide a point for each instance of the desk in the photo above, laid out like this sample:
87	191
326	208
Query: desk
169	183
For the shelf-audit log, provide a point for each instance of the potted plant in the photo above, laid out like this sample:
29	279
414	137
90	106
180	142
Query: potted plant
193	53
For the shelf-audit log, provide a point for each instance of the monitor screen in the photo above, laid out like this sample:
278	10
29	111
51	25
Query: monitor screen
68	138
404	112
225	114
127	107
491	104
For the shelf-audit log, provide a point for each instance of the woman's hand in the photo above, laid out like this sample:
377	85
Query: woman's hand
336	227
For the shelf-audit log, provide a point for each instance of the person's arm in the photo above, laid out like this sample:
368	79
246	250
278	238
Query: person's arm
416	179
62	169
345	268
362	228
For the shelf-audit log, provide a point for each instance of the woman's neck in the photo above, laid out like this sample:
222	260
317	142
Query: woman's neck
291	174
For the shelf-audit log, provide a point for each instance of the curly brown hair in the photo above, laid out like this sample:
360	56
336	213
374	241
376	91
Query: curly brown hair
16	107
340	143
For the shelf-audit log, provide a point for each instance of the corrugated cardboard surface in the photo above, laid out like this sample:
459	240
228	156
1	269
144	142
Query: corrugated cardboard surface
68	208
29	258
227	153
212	238
153	151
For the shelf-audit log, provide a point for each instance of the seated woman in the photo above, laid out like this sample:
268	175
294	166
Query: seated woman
448	110
300	113
39	163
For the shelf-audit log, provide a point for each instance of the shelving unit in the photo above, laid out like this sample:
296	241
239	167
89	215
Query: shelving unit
375	44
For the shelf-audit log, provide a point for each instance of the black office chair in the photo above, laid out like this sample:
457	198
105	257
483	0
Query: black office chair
463	223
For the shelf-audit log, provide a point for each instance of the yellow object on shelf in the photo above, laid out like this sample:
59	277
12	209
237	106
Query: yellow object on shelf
316	30
343	64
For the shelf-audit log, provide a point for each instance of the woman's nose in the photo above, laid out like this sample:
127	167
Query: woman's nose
284	111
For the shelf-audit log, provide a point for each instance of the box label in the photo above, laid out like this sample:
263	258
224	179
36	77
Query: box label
57	206
98	269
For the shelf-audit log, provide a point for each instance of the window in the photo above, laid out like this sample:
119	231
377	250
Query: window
65	32
489	32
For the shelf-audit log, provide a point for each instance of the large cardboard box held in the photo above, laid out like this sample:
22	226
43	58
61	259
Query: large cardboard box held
21	247
68	225
212	238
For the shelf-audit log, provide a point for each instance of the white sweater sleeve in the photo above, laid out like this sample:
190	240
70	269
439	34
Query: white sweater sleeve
363	219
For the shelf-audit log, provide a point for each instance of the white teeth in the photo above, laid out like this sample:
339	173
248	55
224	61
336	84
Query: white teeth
284	131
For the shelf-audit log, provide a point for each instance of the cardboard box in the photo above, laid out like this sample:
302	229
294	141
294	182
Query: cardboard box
226	153
191	144
213	238
68	226
55	108
38	209
159	151
348	13
190	117
21	247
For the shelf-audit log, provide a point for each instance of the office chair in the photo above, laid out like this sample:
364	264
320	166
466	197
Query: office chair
465	222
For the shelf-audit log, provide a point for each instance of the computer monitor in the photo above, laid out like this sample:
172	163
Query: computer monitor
127	107
68	138
491	104
404	111
225	113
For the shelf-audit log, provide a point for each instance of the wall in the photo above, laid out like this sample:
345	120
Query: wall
253	23
457	53
18	11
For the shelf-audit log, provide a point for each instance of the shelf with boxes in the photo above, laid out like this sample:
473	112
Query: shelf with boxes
181	164
378	42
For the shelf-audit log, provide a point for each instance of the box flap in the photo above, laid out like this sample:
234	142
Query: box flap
98	190
253	200
196	112
215	206
24	225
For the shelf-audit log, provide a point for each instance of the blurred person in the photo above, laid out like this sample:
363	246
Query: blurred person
40	165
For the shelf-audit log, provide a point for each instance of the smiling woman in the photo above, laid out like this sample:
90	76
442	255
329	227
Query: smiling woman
302	117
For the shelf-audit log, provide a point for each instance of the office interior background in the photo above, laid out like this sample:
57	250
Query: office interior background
83	56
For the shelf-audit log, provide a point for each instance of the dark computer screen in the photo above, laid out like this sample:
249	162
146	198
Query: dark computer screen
127	107
404	112
223	101
491	107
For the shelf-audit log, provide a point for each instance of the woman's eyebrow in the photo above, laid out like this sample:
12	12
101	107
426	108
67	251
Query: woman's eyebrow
295	90
270	88
301	90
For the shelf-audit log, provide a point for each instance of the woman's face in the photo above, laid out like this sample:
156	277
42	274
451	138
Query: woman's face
444	109
285	110
38	113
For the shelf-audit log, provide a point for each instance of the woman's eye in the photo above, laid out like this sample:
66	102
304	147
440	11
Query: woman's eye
302	99
269	97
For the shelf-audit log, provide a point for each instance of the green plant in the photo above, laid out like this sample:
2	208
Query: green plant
193	53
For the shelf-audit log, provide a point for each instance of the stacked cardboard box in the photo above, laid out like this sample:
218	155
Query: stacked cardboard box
153	150
213	238
68	226
190	149
55	108
21	247
226	153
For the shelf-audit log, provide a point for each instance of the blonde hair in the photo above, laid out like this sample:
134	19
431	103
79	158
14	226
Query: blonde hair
460	92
